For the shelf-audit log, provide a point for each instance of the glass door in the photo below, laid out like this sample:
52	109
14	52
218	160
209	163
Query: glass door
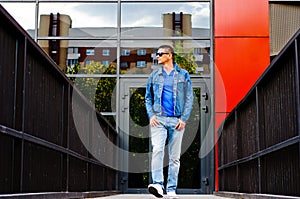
134	139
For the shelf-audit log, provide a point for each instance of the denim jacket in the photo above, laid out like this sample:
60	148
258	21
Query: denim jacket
182	93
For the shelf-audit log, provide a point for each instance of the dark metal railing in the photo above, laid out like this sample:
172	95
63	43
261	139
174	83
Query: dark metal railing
259	145
40	149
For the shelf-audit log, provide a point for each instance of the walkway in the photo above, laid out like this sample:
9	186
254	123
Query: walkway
149	196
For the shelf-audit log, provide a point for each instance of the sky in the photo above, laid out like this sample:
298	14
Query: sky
105	14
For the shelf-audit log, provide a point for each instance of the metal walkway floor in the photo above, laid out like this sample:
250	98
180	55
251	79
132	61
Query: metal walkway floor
149	196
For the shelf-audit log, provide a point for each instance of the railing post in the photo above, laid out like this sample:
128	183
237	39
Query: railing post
257	138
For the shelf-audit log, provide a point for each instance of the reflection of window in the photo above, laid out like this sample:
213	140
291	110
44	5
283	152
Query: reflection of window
125	52
105	62
141	64
88	62
105	52
197	50
72	62
90	52
141	52
72	50
124	65
177	23
53	46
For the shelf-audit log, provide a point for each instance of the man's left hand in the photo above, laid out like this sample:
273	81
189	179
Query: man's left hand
180	125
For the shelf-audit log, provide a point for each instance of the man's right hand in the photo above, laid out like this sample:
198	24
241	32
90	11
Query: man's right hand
153	121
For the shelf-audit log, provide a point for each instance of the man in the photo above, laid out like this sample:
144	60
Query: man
169	100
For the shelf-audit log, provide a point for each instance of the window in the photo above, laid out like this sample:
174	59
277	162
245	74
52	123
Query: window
105	52
125	52
90	52
141	52
141	64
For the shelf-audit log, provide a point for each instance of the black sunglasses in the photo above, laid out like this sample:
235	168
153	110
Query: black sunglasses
160	53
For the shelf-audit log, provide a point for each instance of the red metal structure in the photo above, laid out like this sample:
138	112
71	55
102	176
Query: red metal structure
241	37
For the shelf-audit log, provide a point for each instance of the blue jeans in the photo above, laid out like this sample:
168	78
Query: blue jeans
159	134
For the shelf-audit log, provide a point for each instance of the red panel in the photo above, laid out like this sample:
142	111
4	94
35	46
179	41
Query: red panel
241	29
241	18
240	62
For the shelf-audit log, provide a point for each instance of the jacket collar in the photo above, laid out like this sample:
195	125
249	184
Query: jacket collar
176	67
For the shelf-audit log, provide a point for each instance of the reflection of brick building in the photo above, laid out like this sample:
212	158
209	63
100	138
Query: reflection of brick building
180	23
55	25
138	56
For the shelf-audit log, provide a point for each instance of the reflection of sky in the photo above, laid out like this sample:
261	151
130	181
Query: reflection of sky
147	14
105	14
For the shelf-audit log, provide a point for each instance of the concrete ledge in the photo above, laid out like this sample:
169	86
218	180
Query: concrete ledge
252	195
60	195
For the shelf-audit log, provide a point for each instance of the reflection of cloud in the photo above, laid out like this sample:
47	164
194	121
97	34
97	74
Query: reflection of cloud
82	15
95	15
105	14
24	14
141	15
200	10
200	13
85	15
145	20
84	20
